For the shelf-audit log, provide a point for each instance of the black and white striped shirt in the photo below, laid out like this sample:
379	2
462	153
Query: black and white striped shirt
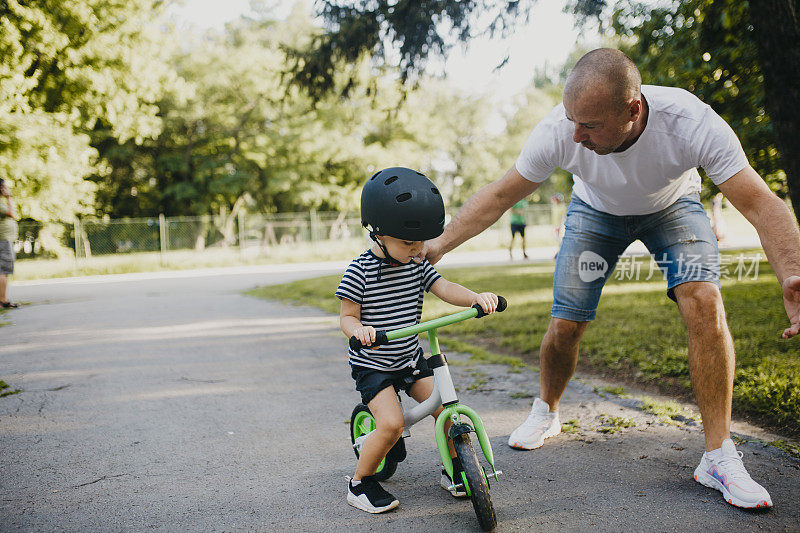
390	298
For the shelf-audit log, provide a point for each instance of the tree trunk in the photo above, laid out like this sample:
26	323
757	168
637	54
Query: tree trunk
776	25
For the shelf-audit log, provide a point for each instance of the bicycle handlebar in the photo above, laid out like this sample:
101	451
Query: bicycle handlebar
382	336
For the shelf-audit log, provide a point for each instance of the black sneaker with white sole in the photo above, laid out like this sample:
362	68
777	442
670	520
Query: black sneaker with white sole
369	496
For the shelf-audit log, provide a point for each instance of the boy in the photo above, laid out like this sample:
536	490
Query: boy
382	289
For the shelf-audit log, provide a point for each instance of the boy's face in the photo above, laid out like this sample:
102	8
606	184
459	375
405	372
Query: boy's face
403	251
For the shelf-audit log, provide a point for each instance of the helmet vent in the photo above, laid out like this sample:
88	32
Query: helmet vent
412	224
375	175
391	180
403	197
434	190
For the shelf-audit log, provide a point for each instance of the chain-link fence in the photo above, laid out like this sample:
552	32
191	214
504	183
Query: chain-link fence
246	233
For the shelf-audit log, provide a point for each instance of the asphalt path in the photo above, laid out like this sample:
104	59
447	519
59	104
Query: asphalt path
174	402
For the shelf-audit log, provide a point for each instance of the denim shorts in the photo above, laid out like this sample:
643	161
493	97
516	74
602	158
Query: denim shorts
679	237
369	381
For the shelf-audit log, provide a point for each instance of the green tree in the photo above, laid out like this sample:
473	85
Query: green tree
236	136
71	73
390	30
708	48
402	33
740	57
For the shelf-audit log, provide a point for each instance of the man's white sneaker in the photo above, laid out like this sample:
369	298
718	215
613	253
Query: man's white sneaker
540	424
727	474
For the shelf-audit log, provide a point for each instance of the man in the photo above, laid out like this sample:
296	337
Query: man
8	234
634	152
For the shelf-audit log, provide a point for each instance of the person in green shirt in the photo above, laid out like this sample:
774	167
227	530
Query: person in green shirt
518	224
8	234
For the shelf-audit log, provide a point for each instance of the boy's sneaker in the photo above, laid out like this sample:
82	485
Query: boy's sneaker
727	474
540	424
369	496
447	483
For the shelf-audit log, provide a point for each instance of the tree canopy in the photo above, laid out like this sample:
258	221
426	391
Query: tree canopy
71	71
740	57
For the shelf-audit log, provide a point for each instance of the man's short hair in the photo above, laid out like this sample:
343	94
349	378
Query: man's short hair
606	68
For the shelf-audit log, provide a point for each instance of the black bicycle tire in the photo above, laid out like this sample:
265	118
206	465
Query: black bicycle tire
479	489
389	466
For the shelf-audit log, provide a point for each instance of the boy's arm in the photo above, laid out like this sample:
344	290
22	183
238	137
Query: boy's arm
350	322
456	294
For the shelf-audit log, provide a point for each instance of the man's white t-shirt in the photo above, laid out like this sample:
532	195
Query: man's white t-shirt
682	133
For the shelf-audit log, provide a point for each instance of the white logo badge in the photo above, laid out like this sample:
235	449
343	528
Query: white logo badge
591	266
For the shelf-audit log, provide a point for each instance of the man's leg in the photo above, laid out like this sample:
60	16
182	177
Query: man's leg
685	246
558	358
592	244
711	362
711	357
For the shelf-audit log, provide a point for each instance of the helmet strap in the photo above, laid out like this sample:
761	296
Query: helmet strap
389	259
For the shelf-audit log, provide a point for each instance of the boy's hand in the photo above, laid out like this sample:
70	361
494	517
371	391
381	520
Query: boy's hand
365	335
487	301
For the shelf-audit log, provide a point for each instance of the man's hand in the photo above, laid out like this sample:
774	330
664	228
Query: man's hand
430	251
791	300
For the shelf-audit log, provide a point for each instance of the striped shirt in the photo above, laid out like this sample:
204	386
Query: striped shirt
390	298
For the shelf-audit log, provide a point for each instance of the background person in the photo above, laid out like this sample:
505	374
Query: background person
633	151
8	234
518	223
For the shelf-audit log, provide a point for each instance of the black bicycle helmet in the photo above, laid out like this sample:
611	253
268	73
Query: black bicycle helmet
402	203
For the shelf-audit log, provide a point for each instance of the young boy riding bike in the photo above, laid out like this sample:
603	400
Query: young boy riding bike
382	289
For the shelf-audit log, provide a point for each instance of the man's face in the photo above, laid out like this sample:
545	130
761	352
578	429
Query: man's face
598	125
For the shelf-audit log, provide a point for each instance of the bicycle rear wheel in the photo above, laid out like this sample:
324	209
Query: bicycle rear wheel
361	423
475	481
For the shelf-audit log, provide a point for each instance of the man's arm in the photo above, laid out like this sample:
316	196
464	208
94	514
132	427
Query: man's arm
479	212
777	230
774	222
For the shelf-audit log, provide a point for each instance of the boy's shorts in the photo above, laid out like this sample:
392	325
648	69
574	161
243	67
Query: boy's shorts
517	228
369	381
679	237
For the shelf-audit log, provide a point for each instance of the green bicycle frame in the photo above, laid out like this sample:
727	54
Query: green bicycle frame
453	411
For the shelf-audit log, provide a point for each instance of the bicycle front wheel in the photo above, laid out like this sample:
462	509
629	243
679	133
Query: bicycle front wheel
475	482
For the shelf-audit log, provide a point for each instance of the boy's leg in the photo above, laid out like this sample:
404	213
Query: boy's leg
389	426
420	391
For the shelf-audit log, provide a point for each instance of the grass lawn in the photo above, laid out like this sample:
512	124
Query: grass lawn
638	335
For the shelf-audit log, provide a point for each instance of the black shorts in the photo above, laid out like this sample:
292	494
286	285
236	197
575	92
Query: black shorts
517	228
369	381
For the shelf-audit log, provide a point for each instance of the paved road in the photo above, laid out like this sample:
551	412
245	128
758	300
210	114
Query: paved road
173	402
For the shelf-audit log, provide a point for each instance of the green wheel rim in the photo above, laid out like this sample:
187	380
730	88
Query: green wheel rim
363	424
